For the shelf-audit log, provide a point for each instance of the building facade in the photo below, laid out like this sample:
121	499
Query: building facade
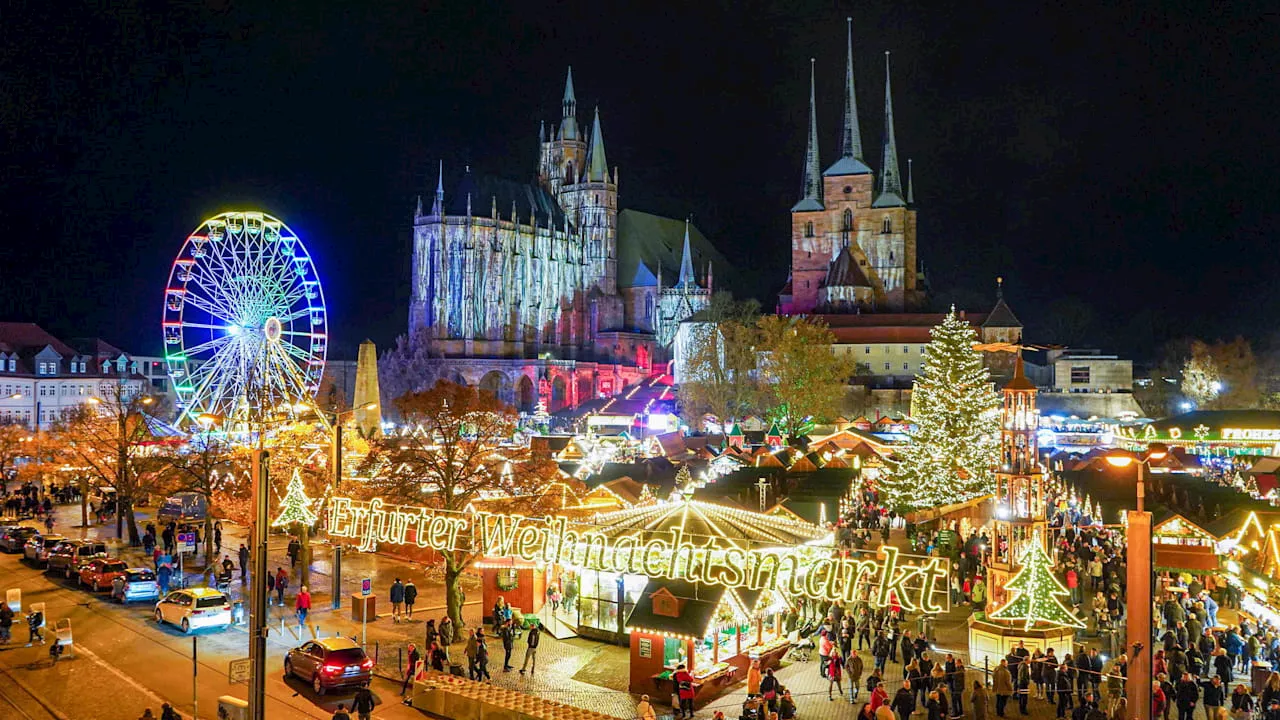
853	233
546	290
42	378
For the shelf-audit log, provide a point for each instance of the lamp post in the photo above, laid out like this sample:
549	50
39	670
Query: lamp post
1138	574
337	480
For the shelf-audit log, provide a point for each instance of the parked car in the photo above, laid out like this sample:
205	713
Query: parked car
13	538
140	584
69	555
329	663
99	572
195	608
37	549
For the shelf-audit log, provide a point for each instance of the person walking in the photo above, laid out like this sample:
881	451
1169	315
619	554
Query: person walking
363	703
411	669
243	555
294	550
683	682
302	605
471	651
1187	694
410	596
1003	686
446	632
835	671
1024	685
531	650
436	657
769	690
35	621
341	713
168	713
644	709
507	634
880	649
282	583
978	700
6	622
397	599
853	673
482	658
904	701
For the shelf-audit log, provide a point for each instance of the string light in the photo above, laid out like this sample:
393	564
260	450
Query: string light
295	507
1035	592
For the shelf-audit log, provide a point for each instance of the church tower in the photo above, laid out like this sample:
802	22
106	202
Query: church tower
810	244
891	246
563	150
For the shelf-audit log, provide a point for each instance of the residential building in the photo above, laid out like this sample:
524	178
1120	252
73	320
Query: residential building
42	377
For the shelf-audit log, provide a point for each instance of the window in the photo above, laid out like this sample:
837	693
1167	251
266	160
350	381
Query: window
866	350
886	226
13	365
1079	374
846	226
82	366
905	349
808	229
848	189
905	366
886	366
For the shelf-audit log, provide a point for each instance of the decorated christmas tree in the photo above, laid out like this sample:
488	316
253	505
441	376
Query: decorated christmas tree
295	507
1035	593
955	417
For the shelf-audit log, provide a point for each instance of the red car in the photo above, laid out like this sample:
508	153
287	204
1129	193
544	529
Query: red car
99	573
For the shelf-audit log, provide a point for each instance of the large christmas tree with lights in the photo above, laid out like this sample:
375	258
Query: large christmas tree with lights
955	440
1036	593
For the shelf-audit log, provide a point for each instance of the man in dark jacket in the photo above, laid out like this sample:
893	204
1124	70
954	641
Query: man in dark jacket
531	649
1214	696
904	701
507	633
1187	695
243	554
410	597
363	704
908	648
1084	670
880	648
397	599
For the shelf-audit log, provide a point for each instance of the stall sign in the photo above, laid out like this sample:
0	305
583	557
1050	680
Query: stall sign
883	578
1269	434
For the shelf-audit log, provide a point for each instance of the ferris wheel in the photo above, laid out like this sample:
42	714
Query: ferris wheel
245	325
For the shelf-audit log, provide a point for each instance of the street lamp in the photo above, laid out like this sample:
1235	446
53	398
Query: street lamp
1138	559
337	480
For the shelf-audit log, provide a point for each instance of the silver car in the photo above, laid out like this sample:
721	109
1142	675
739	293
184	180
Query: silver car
36	551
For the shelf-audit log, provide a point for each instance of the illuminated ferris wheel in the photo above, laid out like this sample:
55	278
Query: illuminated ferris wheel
245	325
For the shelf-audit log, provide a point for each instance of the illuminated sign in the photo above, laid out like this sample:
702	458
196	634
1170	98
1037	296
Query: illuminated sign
1269	434
881	579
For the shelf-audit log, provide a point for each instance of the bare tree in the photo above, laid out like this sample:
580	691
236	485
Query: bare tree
109	438
458	449
202	466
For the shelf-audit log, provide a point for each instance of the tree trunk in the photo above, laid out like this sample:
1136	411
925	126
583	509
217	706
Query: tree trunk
126	506
121	504
83	484
453	594
209	559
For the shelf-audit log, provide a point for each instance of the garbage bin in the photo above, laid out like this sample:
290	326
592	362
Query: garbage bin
364	608
237	612
1259	673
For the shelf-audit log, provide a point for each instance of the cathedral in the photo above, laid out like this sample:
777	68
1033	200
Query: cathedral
853	235
545	291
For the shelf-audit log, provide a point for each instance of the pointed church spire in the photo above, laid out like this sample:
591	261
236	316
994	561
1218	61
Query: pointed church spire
437	207
597	166
569	120
911	185
850	161
686	263
417	213
812	198
890	182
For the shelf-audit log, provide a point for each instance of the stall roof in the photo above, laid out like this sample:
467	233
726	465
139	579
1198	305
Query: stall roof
698	605
700	520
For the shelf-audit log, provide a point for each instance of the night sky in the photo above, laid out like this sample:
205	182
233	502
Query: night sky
1116	165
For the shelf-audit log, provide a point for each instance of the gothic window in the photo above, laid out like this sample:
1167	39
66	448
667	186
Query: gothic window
846	227
808	229
886	227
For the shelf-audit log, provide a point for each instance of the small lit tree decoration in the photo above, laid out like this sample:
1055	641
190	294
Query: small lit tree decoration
295	507
1035	594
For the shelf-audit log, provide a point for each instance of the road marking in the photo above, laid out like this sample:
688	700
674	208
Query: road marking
78	649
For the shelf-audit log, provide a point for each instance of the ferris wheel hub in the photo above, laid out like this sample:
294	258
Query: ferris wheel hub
272	329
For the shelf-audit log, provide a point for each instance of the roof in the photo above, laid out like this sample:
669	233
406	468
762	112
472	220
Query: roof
847	166
337	643
698	605
528	199
648	244
701	520
872	328
845	271
1019	381
1002	316
1215	420
20	337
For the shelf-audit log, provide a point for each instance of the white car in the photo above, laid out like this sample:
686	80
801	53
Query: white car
195	608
